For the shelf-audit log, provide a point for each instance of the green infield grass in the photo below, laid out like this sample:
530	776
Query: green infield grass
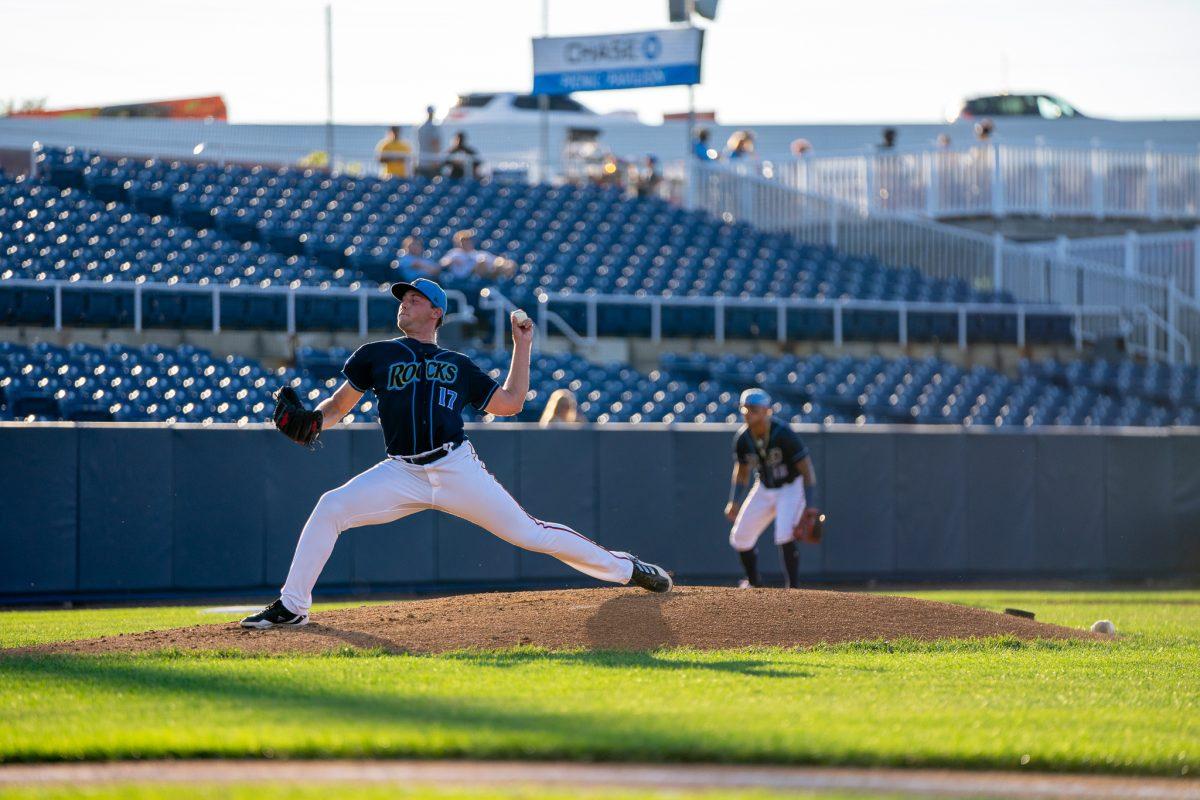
1129	706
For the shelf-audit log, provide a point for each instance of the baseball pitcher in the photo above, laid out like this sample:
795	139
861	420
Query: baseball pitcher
779	458
430	464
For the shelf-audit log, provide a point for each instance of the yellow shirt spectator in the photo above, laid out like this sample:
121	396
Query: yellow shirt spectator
395	154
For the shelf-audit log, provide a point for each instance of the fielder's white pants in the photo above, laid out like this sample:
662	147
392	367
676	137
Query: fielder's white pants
458	484
784	505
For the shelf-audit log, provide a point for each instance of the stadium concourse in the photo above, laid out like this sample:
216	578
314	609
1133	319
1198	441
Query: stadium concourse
128	222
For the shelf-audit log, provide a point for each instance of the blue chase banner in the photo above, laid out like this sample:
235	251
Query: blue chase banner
563	64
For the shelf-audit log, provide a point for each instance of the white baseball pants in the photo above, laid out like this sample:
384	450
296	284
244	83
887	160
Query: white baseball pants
784	505
458	484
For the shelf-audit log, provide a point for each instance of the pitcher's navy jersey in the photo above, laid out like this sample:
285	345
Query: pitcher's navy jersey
777	459
421	389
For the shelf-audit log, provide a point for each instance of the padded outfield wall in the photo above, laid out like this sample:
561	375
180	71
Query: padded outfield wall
108	511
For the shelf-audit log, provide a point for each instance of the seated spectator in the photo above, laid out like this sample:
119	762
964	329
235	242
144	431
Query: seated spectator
889	140
412	263
394	154
740	145
649	178
562	408
464	261
801	148
461	159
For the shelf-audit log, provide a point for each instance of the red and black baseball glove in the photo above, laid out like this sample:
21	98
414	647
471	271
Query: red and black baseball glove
294	420
811	526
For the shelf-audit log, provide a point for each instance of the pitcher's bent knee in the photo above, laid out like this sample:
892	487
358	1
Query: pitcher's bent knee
331	508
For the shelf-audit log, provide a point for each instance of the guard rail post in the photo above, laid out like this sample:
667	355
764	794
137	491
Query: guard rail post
362	315
837	323
592	322
1151	180
997	181
137	308
58	307
719	320
902	324
962	327
1021	327
656	320
291	311
1098	179
1131	253
216	308
780	321
997	261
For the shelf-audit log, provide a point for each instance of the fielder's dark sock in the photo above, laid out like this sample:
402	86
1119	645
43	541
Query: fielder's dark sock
750	564
789	554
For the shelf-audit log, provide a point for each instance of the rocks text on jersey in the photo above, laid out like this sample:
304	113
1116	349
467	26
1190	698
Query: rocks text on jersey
405	372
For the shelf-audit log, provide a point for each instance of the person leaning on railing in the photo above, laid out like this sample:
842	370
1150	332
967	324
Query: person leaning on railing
394	154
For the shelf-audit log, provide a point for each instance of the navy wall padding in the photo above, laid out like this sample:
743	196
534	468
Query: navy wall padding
1185	499
1070	501
701	489
1140	526
219	514
404	551
556	483
634	484
113	511
930	479
858	489
292	485
125	517
40	512
812	556
466	552
1000	503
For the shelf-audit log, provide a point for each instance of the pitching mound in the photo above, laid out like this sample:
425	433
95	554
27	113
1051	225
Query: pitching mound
603	619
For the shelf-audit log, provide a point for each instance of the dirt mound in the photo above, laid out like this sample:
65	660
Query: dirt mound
603	619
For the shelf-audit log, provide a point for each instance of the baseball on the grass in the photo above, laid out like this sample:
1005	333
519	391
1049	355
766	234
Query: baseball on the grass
520	317
1103	626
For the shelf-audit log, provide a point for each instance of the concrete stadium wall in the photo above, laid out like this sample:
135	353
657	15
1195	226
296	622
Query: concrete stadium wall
104	511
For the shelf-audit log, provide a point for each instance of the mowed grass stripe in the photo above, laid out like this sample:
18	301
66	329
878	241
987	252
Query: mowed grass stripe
1129	706
342	792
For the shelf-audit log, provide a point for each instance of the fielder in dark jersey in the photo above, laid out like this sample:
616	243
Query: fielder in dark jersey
785	483
422	389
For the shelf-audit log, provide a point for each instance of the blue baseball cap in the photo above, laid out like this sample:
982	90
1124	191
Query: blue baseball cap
755	397
435	293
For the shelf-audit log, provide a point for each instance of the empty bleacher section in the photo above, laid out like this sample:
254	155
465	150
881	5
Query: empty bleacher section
233	227
188	384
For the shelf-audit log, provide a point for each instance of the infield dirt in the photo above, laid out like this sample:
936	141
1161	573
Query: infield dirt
603	619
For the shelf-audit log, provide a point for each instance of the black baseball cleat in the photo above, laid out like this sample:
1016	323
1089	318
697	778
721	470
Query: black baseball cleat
275	615
650	577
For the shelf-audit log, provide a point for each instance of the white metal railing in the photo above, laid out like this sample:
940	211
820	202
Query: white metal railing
997	179
738	193
1145	332
215	291
1172	256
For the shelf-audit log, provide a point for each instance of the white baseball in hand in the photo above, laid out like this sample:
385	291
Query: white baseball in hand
519	317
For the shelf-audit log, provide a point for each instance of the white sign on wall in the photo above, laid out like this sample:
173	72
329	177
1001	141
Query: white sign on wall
564	64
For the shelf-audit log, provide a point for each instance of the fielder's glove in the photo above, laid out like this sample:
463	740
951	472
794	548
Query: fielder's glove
294	420
810	527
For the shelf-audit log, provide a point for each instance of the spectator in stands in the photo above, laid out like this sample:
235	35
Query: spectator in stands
394	154
701	149
464	261
412	263
801	148
461	159
943	141
648	178
429	146
562	409
740	145
984	129
889	139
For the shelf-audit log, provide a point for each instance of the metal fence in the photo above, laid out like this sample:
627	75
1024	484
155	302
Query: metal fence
1147	334
214	292
739	193
1174	256
994	179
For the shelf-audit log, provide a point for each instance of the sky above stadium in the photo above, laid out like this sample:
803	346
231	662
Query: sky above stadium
766	61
